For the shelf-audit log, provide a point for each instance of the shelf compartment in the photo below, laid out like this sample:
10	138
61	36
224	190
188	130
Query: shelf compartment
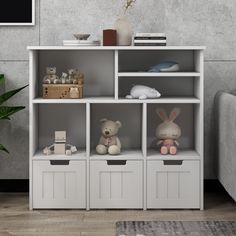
98	81
168	87
59	117
186	120
163	74
134	154
116	186
130	134
142	60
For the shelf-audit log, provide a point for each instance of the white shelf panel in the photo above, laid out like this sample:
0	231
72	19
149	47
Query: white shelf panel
82	100
79	155
120	100
116	48
162	100
125	155
181	155
163	74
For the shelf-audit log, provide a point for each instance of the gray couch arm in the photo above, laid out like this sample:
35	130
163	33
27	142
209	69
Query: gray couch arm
226	112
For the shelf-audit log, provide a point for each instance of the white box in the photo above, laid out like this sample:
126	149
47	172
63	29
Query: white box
59	184
173	185
116	186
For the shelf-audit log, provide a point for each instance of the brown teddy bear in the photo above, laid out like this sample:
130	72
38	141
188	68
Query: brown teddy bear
109	142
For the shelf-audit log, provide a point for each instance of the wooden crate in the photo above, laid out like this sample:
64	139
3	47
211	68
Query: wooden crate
60	91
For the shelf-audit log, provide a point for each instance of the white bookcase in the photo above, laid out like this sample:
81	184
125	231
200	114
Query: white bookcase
139	178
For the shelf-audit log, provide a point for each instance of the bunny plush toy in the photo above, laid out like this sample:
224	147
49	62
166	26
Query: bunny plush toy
168	132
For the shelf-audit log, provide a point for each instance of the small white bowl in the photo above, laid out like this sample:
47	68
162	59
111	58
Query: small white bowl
81	36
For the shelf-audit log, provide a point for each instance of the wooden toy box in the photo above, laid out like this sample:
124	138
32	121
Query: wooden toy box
61	91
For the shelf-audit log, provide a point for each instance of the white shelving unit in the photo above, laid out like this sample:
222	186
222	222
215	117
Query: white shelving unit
140	177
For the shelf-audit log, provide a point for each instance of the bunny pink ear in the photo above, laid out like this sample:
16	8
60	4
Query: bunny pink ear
174	114
162	114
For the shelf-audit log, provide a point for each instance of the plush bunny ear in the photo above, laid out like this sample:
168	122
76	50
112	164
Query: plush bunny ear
103	120
162	114
118	123
174	114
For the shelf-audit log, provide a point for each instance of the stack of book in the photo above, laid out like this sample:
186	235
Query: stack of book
81	43
149	39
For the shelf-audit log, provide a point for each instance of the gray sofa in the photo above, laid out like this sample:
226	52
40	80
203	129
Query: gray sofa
226	126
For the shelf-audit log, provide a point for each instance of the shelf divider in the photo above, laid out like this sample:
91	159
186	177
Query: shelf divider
88	140
116	84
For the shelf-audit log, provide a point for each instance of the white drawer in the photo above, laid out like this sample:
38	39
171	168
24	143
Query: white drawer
116	184
59	184
173	184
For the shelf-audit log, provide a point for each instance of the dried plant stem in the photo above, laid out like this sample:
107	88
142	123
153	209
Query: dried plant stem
128	4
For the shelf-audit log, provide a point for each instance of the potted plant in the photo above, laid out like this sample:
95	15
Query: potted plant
123	26
7	111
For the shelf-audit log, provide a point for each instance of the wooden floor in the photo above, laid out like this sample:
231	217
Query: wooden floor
16	219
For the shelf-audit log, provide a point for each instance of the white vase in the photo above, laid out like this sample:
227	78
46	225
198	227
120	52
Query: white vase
124	31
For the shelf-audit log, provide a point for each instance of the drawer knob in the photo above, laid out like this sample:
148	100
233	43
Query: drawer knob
116	162
173	162
60	162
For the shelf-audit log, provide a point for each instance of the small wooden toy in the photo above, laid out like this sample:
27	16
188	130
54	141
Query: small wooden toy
60	147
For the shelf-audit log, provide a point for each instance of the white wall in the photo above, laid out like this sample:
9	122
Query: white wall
186	22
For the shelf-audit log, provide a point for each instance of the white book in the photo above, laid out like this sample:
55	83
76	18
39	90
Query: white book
149	41
149	35
78	45
81	42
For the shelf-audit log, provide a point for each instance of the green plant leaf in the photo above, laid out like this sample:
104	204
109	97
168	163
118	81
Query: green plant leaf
4	97
2	78
5	112
2	148
6	118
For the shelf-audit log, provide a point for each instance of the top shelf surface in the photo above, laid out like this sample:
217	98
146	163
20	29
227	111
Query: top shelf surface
116	48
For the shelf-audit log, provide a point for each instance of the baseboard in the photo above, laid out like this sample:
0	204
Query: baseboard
22	185
14	185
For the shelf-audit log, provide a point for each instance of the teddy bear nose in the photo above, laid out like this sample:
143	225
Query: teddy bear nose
106	132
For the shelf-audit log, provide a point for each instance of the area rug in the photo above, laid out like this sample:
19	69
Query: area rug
176	228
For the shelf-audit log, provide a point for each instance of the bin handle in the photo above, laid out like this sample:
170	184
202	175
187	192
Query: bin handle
59	162
173	162
116	162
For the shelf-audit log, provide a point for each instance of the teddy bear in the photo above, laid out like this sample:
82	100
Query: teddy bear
63	77
79	78
50	75
109	142
72	76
